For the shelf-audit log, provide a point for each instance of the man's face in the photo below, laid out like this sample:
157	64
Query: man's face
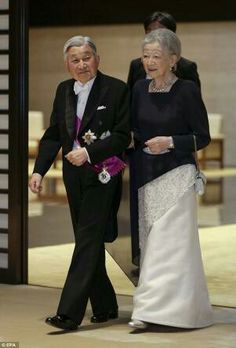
153	26
82	63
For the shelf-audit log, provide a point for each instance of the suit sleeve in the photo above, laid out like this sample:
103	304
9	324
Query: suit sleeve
131	80
193	74
50	143
190	72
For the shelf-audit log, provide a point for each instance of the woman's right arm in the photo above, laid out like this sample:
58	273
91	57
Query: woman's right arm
196	118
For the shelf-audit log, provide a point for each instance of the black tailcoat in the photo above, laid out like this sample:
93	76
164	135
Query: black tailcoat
92	204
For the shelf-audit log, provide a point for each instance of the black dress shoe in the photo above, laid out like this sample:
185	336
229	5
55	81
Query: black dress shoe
102	317
61	322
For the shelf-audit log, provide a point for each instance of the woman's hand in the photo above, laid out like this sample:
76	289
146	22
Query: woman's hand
159	145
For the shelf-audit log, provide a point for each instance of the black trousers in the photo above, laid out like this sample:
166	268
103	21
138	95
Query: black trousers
90	203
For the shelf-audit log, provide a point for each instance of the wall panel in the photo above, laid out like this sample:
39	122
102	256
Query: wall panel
84	12
4	133
13	136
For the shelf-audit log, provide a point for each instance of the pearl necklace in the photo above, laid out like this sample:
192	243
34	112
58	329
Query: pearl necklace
165	87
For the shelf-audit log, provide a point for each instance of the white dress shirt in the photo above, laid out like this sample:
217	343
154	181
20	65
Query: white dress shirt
82	91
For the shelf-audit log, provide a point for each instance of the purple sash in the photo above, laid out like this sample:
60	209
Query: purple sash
113	165
77	128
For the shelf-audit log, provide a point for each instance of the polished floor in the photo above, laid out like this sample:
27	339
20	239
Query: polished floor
218	250
24	308
58	259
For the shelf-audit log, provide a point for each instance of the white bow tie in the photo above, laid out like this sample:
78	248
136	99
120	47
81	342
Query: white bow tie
78	87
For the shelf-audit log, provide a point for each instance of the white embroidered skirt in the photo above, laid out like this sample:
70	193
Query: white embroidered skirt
172	288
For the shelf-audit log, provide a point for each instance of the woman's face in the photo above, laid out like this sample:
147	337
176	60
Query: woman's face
156	61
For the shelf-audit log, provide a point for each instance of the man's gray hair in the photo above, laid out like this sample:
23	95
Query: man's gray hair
166	38
79	41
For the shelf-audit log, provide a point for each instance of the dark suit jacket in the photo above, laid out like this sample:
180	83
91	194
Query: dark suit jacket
186	70
107	108
111	96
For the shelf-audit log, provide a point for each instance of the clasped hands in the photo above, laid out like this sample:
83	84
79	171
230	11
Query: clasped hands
158	144
77	157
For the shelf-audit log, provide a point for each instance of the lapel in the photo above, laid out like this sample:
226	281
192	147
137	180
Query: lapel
70	109
96	94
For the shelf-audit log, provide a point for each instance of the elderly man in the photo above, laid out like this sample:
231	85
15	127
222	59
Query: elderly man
90	121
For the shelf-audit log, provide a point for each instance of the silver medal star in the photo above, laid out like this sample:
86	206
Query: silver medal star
89	137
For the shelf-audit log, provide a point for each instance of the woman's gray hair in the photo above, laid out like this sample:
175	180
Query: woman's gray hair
79	41
166	38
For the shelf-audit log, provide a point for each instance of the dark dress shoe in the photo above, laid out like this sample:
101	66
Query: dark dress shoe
102	317
61	322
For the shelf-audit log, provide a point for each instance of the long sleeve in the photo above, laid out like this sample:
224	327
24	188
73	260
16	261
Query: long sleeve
187	70
195	116
136	72
50	142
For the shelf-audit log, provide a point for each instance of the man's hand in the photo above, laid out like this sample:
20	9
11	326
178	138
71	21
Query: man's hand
35	183
158	144
77	157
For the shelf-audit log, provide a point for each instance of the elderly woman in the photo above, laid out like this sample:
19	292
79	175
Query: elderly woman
167	113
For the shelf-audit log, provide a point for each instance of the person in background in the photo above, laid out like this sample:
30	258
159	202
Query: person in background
168	115
184	69
90	121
